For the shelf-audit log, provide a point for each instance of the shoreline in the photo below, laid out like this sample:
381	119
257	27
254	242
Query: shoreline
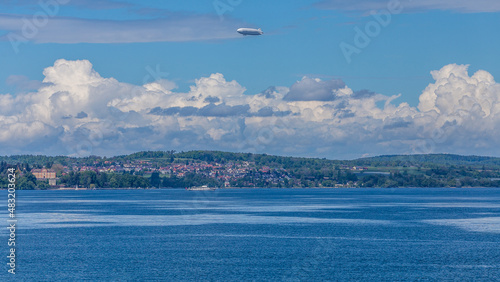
248	188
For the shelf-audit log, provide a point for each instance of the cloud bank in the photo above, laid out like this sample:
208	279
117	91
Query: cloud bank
77	112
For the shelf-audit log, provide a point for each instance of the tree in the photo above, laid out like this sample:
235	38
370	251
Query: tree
113	182
155	180
27	182
102	180
30	177
23	184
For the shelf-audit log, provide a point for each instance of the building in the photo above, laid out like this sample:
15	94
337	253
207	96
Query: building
44	173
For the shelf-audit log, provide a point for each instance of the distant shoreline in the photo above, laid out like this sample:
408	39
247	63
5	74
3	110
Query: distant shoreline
223	169
248	188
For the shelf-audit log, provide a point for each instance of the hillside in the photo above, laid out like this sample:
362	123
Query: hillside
430	159
225	169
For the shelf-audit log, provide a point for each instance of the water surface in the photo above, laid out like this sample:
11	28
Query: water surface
257	235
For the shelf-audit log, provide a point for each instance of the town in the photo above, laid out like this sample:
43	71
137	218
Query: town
243	170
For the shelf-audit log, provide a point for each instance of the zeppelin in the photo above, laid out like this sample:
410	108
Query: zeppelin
249	31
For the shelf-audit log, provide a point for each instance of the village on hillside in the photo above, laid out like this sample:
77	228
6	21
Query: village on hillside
227	170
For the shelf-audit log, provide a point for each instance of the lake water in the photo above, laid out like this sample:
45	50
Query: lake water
256	235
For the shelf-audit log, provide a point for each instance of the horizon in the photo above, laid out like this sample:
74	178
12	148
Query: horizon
326	79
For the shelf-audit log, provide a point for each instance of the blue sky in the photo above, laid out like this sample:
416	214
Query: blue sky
179	43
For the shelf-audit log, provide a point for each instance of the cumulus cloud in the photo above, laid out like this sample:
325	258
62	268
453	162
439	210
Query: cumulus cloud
466	109
221	110
76	111
81	114
309	89
462	6
361	94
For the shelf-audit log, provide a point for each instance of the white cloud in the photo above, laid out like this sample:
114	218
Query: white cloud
309	89
69	30
75	111
455	91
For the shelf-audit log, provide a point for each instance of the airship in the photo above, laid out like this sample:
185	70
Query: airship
250	31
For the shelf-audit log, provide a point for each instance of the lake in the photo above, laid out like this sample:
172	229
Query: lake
256	235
